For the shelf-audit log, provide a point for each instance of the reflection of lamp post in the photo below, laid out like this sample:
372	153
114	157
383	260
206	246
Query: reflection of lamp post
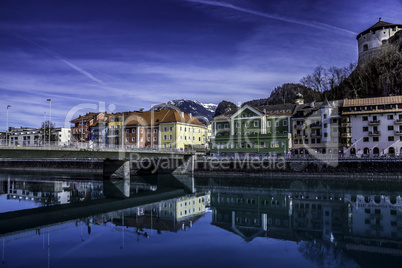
2	260
8	106
50	116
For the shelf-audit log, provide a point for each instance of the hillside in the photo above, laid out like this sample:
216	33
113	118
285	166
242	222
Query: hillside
287	94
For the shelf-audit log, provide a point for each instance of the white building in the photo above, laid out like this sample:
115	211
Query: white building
63	136
35	136
374	126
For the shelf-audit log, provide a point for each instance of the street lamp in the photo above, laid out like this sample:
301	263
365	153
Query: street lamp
8	106
44	130
50	116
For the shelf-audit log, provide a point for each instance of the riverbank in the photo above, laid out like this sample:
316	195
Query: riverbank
351	168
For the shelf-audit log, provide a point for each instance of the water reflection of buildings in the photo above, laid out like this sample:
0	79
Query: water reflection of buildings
374	223
53	192
250	215
169	215
362	222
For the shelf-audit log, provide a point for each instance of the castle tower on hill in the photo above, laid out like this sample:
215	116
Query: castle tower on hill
371	40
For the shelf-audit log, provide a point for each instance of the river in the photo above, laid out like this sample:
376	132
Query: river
59	220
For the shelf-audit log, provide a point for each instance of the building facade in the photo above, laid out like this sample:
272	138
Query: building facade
261	131
375	126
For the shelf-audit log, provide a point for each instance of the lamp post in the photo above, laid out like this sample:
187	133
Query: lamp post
7	142
50	116
44	129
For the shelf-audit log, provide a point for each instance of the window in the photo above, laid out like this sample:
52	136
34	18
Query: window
226	126
325	134
127	131
305	141
164	129
255	123
269	124
238	124
365	129
365	118
142	130
318	140
375	138
219	126
170	137
325	116
133	139
312	141
133	130
390	127
390	138
283	144
247	124
170	128
285	123
365	47
277	123
325	125
390	117
365	139
164	137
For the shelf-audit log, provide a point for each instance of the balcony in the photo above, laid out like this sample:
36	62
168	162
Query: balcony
346	125
374	123
398	121
346	135
300	126
374	133
398	133
315	125
300	136
315	135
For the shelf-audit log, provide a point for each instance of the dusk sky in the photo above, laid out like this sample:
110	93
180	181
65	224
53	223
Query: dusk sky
132	54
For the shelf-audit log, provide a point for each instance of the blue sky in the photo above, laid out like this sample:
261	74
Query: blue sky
128	54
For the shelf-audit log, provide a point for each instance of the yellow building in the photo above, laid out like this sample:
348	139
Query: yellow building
178	130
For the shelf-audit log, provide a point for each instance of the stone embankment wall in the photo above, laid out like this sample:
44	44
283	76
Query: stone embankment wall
82	165
350	167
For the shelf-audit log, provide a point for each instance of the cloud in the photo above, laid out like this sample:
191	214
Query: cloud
312	24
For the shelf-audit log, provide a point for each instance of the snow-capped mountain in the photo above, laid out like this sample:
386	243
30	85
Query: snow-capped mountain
203	112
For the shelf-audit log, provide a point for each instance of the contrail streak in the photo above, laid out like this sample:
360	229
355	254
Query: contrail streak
57	56
80	70
313	24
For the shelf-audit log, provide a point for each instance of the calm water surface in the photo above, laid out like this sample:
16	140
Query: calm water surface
225	222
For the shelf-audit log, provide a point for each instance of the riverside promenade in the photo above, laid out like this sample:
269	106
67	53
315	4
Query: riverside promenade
109	162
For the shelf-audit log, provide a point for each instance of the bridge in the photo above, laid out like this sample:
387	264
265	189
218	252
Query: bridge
114	163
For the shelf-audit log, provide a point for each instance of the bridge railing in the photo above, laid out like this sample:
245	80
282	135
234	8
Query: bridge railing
98	147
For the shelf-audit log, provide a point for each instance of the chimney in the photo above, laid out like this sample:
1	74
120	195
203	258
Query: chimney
182	114
312	104
191	116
